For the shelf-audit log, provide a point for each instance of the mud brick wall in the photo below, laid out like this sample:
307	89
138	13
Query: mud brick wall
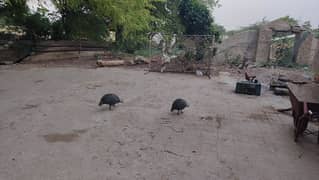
308	50
243	44
315	64
263	46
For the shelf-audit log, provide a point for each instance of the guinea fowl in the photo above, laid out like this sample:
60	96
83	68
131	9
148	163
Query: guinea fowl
179	105
110	99
250	78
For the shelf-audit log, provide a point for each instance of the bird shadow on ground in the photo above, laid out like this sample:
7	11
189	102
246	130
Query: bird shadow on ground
30	106
103	109
175	114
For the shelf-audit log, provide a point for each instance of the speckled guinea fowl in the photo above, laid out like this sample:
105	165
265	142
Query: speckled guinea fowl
110	99
179	105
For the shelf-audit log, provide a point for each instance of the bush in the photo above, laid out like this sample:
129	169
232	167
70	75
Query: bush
195	17
200	52
132	42
189	55
57	30
37	26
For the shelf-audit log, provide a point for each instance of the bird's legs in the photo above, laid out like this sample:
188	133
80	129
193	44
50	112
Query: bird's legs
178	112
110	107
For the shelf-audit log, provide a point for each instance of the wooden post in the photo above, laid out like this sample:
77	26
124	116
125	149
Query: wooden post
211	56
80	46
150	51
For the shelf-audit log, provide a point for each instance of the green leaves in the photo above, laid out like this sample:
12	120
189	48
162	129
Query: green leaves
17	13
132	20
132	16
128	18
37	25
195	17
168	20
14	11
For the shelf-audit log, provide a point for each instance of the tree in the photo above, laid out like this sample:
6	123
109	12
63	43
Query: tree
93	19
307	26
37	26
218	31
195	17
14	11
129	19
168	18
78	20
17	13
211	4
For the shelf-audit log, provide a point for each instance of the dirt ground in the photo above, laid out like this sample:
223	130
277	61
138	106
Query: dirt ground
52	128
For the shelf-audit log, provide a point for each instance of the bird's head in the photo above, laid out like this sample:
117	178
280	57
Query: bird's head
100	103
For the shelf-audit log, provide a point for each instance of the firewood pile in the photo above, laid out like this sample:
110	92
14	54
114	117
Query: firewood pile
109	62
178	65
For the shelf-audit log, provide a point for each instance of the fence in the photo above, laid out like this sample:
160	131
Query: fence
181	53
14	51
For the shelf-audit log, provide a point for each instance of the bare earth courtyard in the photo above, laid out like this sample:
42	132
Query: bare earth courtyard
52	128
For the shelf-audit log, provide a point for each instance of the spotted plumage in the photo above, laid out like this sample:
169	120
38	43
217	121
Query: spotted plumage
179	105
110	99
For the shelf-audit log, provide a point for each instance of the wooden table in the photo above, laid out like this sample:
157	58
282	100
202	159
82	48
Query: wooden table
303	97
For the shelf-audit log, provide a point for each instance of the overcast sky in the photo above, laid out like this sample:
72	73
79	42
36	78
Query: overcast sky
237	13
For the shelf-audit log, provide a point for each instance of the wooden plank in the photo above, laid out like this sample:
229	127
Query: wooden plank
66	49
305	92
71	44
102	63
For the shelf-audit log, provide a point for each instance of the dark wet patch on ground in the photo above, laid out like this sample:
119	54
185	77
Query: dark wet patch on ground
93	86
38	81
217	118
67	137
256	116
219	121
207	118
2	90
30	106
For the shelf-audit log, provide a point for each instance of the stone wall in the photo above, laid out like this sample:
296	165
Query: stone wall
255	45
263	46
240	45
265	38
307	51
315	64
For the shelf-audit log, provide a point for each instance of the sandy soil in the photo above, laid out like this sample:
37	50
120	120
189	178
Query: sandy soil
52	128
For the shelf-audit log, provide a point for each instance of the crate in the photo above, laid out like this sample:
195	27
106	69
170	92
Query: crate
250	88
